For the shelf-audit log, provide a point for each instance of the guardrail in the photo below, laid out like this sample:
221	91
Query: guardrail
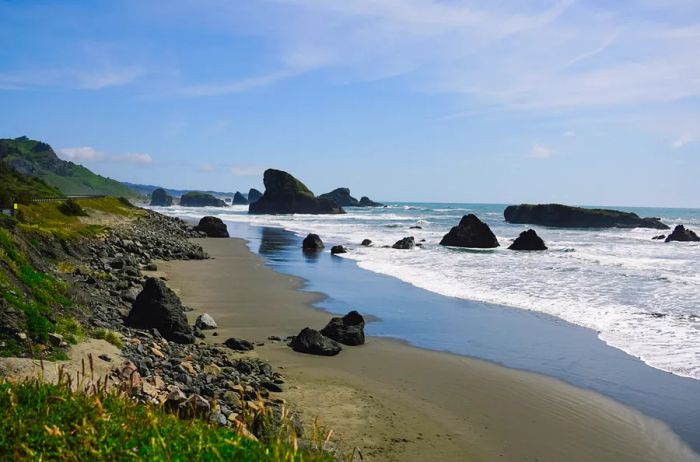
61	199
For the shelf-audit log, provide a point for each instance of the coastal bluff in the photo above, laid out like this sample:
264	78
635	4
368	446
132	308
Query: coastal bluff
284	194
565	216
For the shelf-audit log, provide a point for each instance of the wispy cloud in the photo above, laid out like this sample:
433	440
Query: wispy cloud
235	169
239	85
540	151
90	154
683	141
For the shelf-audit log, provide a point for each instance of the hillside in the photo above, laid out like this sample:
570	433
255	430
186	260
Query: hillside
18	187
37	159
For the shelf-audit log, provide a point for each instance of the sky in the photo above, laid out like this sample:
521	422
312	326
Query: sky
500	101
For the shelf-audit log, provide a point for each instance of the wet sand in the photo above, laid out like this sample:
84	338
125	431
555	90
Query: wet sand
396	402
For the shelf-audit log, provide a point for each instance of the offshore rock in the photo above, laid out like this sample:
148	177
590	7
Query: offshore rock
470	232
212	227
528	240
284	194
565	216
681	234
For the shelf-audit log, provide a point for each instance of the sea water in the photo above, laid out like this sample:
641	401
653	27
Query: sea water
641	295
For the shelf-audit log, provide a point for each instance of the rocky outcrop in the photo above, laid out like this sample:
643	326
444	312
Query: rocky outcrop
564	216
212	227
528	240
336	249
205	322
254	195
239	199
659	237
200	199
284	194
348	330
157	307
406	243
238	344
312	342
312	242
366	242
681	234
159	198
367	202
342	197
470	232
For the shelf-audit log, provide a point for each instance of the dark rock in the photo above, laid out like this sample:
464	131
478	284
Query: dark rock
681	234
271	386
528	240
338	249
312	242
367	202
366	242
349	330
470	232
160	198
406	243
415	227
342	197
564	216
313	342
239	199
254	195
158	307
105	357
200	199
238	344
212	226
284	194
659	237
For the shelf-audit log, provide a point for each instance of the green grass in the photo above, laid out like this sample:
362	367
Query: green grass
109	336
42	421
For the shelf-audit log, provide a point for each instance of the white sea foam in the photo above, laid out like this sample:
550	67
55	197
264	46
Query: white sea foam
642	296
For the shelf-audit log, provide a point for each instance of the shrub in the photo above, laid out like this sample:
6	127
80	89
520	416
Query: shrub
109	336
71	208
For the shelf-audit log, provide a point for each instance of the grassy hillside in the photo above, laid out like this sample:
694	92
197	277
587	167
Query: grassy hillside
18	187
50	422
37	159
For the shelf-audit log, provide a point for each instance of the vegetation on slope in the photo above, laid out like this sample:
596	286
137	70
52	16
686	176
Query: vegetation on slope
51	422
37	159
21	188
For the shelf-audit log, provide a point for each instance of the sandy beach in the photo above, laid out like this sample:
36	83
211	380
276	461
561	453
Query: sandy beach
396	402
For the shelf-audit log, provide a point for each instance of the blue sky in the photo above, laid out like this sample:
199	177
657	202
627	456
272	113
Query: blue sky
583	102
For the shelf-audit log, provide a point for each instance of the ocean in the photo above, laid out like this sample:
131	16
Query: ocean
640	295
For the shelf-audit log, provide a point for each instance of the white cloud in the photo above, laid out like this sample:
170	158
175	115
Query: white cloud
247	170
90	154
81	154
239	85
540	151
683	141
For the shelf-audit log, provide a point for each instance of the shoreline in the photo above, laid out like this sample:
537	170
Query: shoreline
399	402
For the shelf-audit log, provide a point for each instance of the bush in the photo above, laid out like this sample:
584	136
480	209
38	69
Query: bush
71	208
109	336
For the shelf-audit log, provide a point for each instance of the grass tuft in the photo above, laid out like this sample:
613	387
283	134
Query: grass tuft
109	336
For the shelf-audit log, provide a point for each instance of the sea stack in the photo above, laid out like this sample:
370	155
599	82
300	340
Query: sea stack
682	234
160	198
565	216
284	194
200	199
239	199
470	232
254	195
528	240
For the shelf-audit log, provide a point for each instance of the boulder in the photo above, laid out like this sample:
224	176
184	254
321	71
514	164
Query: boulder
565	216
470	232
681	234
313	342
284	194
528	240
212	226
204	322
406	243
158	307
238	344
349	330
366	242
254	195
367	202
342	197
659	237
338	249
200	199
312	242
239	199
160	198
